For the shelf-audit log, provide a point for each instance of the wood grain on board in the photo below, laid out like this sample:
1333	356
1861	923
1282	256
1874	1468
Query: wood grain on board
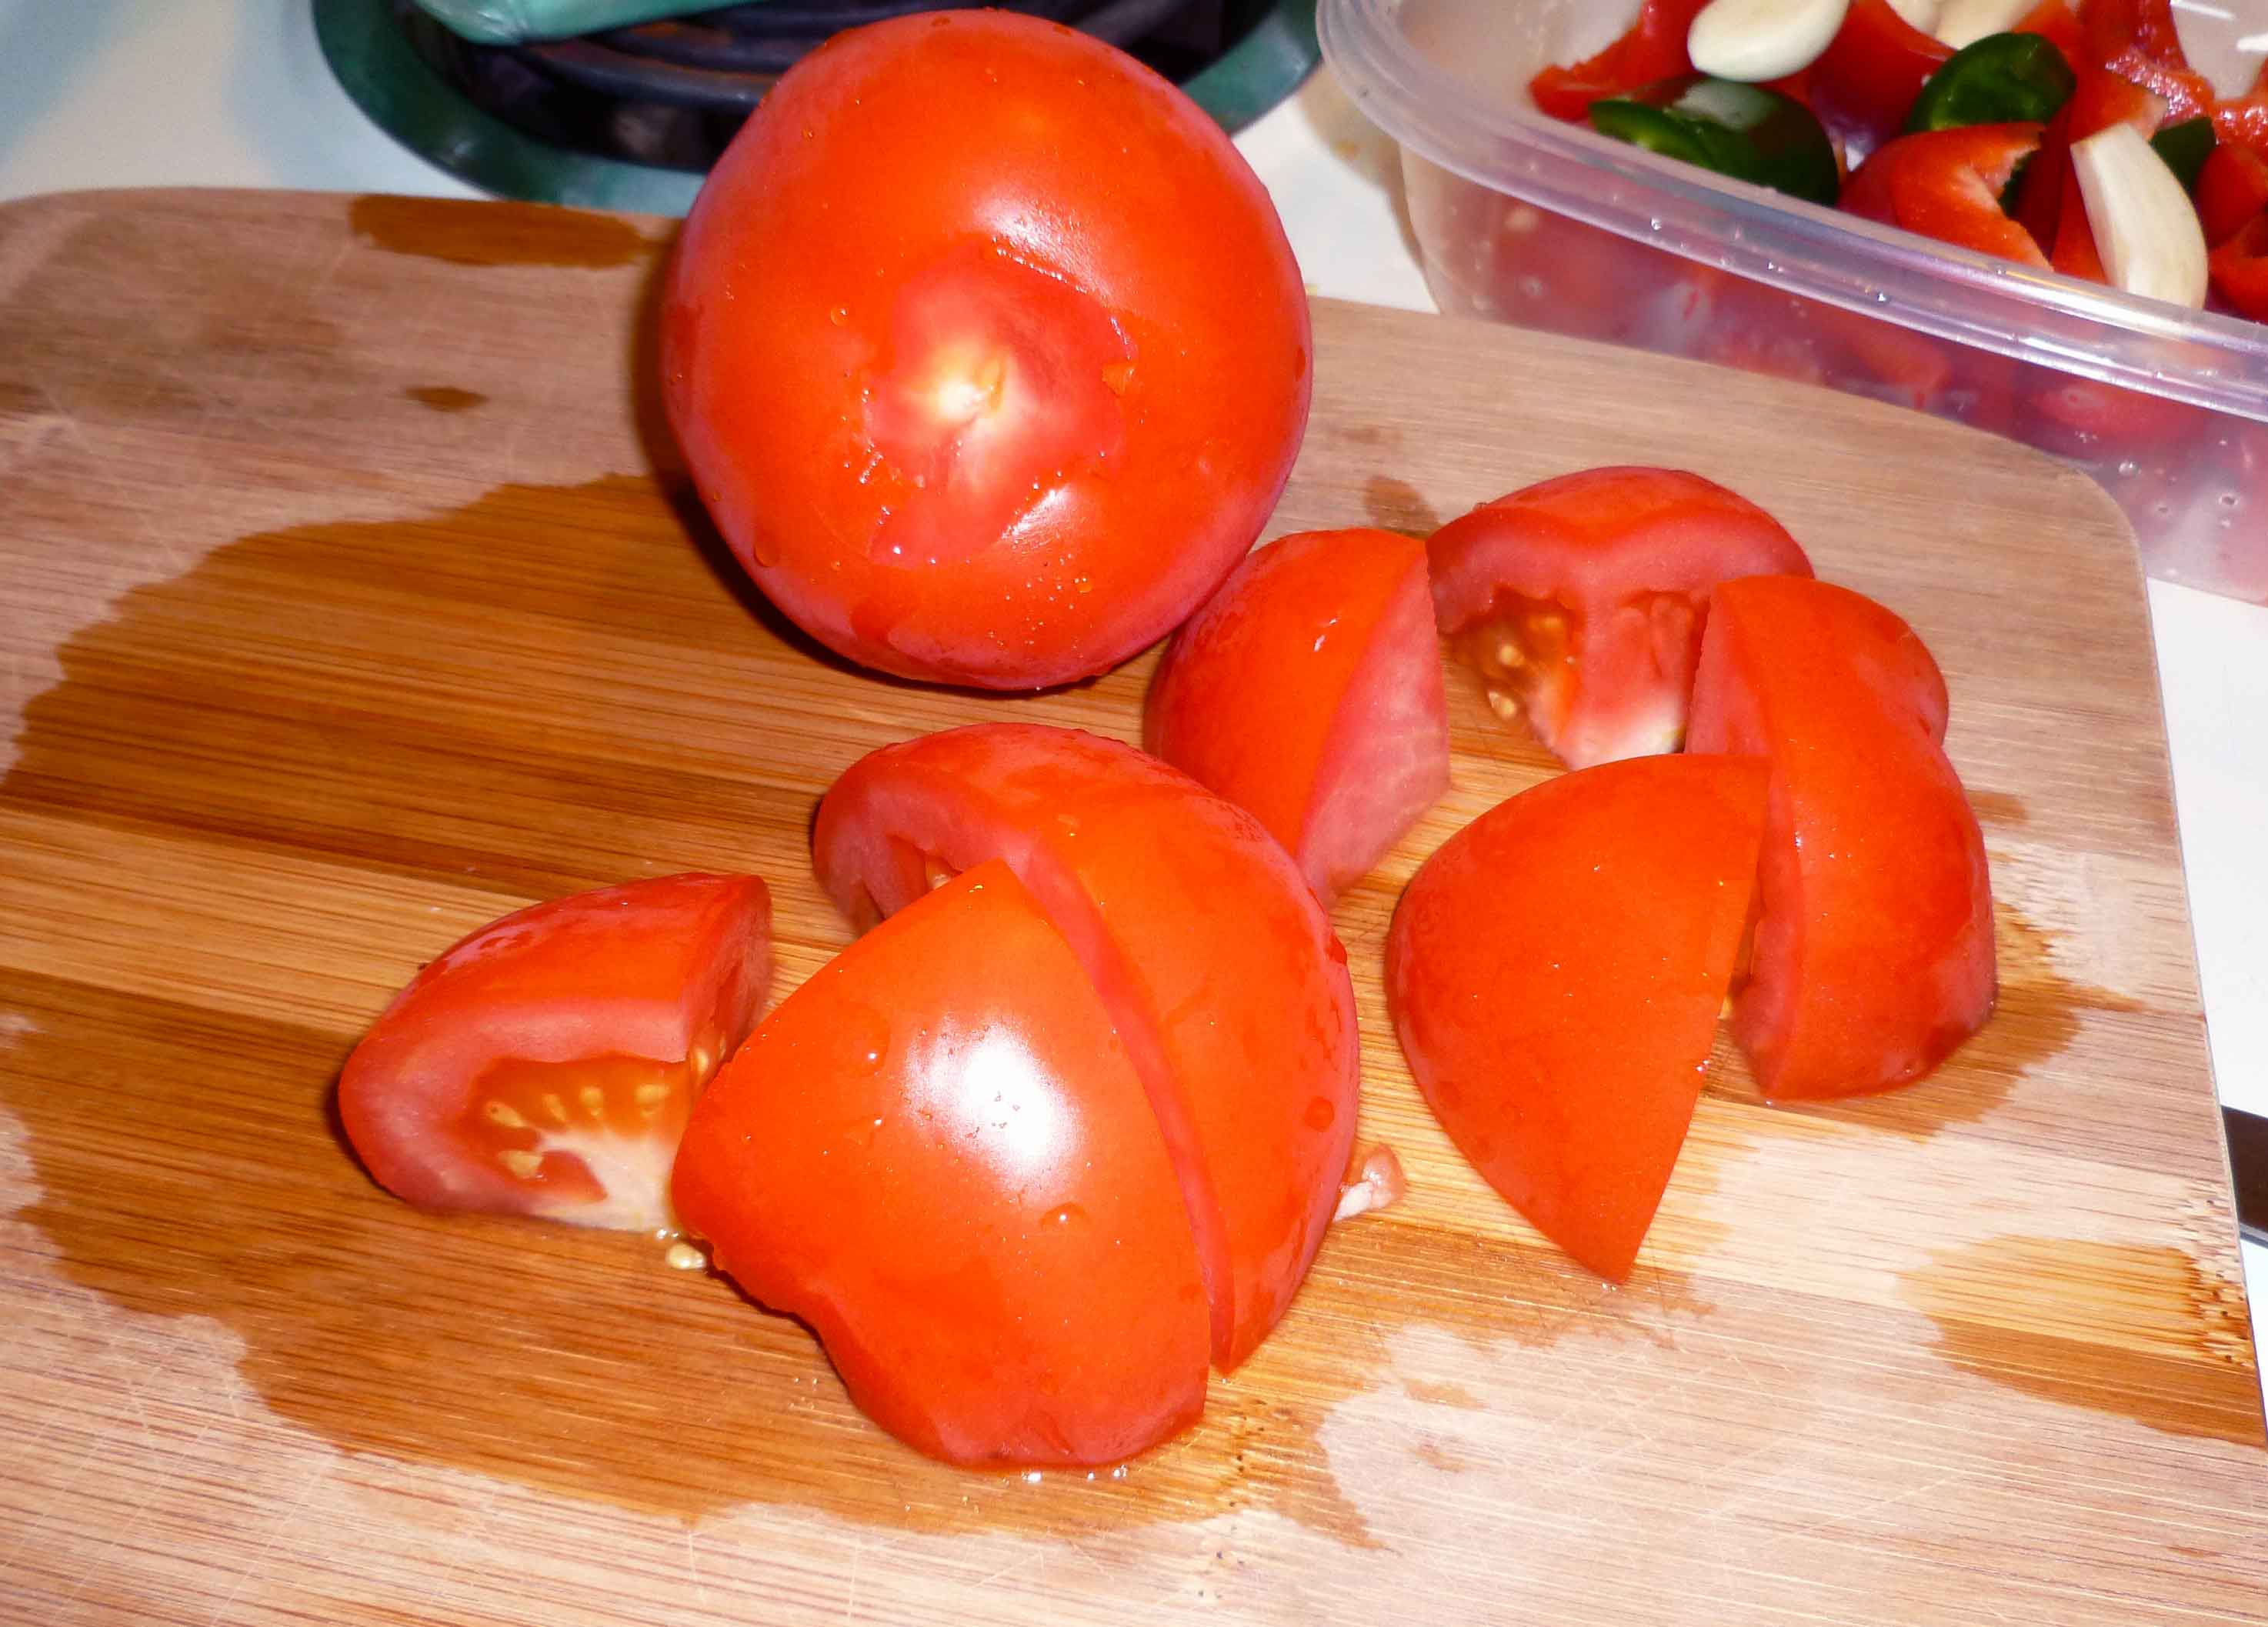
350	595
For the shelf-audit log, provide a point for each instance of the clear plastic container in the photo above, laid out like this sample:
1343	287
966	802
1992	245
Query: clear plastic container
1523	218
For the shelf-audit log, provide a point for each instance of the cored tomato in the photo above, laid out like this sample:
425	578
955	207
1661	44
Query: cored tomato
1561	1040
1873	951
1580	601
986	348
1308	690
1947	184
1213	959
938	1153
545	1065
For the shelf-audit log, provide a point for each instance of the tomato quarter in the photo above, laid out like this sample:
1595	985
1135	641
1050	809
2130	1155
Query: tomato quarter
1215	962
986	348
939	1154
1580	601
1556	972
1308	690
545	1065
1873	953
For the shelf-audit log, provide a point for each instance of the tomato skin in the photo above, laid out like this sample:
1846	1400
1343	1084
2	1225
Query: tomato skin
1309	691
1216	962
655	969
1561	1042
1873	953
1947	184
1004	419
937	1153
1626	555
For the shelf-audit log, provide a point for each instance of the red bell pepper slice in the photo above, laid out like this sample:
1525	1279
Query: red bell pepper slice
1864	83
2232	188
1654	48
1947	184
2137	40
2239	268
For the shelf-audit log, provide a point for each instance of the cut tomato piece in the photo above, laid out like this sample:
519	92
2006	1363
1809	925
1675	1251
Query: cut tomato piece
1580	601
936	1153
1652	48
1212	957
1561	1043
1874	940
1947	185
545	1065
1308	690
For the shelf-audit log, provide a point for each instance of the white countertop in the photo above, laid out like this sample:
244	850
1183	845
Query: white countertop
235	92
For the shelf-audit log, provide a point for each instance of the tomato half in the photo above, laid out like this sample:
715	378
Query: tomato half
1947	184
1580	600
936	1153
545	1065
986	348
1308	690
1215	962
1874	940
1561	1041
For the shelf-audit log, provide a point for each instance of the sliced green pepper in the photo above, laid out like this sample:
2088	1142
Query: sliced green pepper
2185	147
2005	79
1742	130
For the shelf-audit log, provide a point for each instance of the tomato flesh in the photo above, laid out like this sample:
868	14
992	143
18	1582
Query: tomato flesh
1874	950
545	1065
1202	940
1561	1043
936	1153
1580	601
1308	690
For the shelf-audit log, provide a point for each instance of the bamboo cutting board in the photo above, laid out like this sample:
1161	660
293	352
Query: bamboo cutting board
351	596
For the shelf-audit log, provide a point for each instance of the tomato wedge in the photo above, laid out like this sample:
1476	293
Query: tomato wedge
1203	942
1308	690
1652	48
1874	940
545	1065
1947	184
1580	601
1561	1041
938	1153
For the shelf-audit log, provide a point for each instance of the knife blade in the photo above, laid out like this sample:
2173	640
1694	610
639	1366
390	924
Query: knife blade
2248	1167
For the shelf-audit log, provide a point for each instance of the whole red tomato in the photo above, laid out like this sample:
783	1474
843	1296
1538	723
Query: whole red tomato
986	348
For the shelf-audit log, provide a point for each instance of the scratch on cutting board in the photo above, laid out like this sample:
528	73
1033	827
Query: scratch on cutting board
282	1516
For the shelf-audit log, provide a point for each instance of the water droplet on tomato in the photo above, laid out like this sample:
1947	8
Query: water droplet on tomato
840	316
866	1038
1064	1218
1320	1114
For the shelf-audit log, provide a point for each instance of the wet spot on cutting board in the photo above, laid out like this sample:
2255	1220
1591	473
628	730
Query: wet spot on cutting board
446	397
571	1361
468	233
2140	1331
1398	505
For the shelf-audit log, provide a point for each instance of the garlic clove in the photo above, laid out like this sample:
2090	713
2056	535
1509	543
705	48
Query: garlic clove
2145	229
1962	23
1921	14
1759	40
